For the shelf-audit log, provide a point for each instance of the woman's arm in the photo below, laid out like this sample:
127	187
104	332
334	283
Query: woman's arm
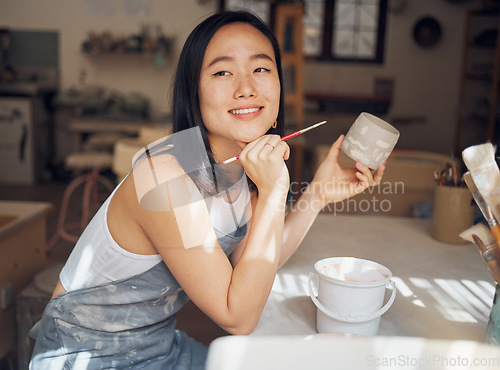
331	183
232	297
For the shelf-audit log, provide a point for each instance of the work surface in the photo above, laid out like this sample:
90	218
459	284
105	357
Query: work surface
444	291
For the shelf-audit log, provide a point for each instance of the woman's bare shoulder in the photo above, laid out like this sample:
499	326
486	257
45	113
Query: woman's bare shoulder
163	166
141	206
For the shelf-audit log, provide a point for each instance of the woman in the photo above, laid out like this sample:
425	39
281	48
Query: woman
178	226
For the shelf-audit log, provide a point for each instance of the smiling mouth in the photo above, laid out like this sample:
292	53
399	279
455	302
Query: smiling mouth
244	111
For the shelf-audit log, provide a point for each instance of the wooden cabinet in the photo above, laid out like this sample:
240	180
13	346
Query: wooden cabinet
289	31
478	106
288	28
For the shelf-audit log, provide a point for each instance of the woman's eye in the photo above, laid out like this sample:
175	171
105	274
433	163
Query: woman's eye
221	73
262	69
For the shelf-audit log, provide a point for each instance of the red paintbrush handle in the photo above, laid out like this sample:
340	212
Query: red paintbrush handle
289	136
286	137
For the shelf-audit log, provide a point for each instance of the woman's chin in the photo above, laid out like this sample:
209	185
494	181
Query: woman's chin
248	138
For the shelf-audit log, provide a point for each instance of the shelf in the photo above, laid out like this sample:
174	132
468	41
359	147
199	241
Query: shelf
350	103
475	127
149	41
123	53
158	58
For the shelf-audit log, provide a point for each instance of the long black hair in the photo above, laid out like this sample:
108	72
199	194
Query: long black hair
186	112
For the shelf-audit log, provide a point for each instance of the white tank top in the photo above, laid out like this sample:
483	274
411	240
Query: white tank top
97	259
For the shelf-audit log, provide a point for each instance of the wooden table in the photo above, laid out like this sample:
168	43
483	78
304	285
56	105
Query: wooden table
444	291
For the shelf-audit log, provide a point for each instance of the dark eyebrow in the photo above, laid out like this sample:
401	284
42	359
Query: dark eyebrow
262	56
230	59
220	59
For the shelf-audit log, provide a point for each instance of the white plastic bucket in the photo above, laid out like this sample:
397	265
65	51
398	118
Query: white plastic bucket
350	295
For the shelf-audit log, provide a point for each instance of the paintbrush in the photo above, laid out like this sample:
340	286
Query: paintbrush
485	210
482	237
480	160
284	138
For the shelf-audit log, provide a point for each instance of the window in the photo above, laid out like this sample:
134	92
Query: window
336	30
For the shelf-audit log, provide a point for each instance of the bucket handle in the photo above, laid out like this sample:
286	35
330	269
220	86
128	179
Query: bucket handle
347	317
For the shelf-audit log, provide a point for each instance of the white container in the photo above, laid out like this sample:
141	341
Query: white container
350	295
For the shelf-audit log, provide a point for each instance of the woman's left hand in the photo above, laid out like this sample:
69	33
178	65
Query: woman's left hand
332	183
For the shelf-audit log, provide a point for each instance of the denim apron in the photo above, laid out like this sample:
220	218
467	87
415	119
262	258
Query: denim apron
122	324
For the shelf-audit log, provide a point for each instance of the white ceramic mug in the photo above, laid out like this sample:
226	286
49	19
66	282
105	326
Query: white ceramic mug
370	140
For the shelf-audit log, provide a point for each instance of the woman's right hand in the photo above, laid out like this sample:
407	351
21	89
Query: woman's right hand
264	162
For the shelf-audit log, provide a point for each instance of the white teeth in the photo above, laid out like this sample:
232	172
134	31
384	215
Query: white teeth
244	111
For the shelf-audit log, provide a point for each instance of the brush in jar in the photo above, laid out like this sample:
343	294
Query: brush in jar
484	208
480	160
482	237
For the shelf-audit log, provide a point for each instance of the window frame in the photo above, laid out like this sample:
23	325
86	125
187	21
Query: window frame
326	54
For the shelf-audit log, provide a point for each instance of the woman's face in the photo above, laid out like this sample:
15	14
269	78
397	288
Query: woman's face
239	88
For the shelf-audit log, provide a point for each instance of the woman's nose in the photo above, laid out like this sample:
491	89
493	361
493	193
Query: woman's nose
245	88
